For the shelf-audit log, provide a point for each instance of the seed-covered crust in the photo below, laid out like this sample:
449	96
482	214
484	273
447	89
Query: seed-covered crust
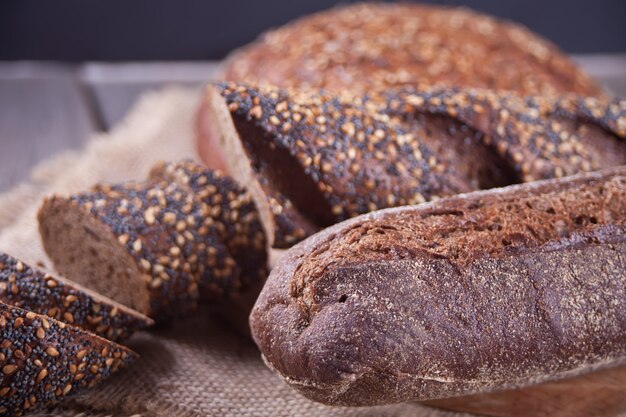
405	146
39	292
43	361
162	229
185	229
485	291
233	213
372	46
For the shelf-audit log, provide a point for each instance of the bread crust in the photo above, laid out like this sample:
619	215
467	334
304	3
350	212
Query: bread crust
43	361
182	233
349	155
365	47
37	291
236	220
473	293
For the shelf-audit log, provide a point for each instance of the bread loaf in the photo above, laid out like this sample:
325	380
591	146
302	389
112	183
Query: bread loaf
479	292
43	361
311	159
372	47
160	246
365	47
33	290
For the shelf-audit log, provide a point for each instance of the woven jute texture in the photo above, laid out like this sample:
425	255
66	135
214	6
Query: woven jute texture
195	367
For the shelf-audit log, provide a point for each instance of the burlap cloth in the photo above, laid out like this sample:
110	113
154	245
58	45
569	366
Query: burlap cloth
195	367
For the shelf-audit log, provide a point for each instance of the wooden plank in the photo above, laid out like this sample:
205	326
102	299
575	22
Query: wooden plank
608	69
42	112
597	394
114	88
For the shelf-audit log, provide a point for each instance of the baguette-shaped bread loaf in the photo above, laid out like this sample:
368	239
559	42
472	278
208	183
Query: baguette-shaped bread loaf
159	246
368	46
43	361
479	292
311	159
37	291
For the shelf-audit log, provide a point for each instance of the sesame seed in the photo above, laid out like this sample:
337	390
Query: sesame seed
123	239
51	351
137	245
169	218
149	216
9	369
256	112
42	374
274	120
145	264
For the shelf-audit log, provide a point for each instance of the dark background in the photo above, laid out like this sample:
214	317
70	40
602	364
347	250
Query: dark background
118	30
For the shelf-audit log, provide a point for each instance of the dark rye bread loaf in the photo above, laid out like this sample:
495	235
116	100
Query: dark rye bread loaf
37	291
485	291
365	47
160	246
43	361
312	159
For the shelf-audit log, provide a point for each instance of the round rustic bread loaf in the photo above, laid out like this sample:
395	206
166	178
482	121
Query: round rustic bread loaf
365	47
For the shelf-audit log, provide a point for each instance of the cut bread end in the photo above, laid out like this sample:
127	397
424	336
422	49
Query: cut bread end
223	137
87	252
290	205
42	293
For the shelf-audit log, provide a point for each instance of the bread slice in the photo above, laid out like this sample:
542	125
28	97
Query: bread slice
158	246
43	361
365	47
480	292
37	291
311	159
234	214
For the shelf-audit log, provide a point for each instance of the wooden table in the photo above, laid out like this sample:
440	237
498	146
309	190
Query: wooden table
46	108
